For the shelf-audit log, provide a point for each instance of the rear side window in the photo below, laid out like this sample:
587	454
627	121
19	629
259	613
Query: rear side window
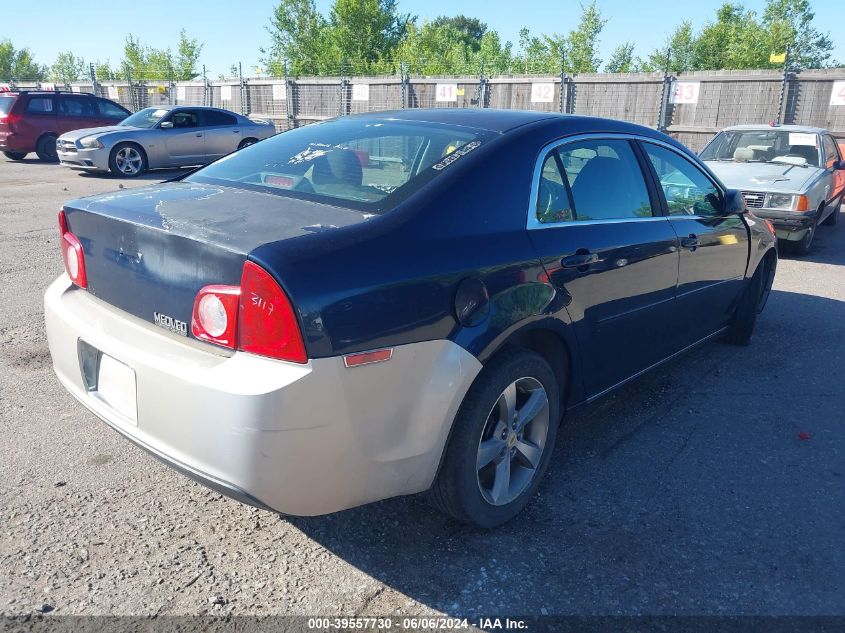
111	110
77	107
365	164
40	105
6	104
214	118
603	178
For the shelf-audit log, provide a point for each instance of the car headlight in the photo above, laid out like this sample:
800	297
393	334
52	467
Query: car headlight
783	201
90	142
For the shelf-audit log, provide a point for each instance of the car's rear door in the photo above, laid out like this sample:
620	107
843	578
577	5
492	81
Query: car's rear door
713	246
185	141
605	246
222	133
837	176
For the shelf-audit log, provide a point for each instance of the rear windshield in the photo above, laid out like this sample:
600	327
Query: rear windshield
6	104
364	164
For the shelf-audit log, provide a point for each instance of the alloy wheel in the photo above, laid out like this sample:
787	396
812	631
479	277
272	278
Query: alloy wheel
513	441
129	160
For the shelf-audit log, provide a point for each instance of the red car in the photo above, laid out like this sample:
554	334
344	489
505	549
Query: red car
31	121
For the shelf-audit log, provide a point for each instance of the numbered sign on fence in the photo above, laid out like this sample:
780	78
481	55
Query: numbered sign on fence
542	93
225	93
48	86
360	92
686	92
181	93
837	95
280	92
5	87
446	93
113	92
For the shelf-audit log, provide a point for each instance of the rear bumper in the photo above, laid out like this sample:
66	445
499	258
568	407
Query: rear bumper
300	439
14	143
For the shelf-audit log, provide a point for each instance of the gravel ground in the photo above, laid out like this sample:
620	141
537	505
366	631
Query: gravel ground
712	486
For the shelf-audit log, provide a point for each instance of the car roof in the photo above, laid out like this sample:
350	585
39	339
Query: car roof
786	128
501	121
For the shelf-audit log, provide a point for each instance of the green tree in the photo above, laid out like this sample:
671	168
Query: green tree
677	55
789	23
622	59
582	43
67	68
735	40
364	33
187	57
298	35
470	30
18	64
104	72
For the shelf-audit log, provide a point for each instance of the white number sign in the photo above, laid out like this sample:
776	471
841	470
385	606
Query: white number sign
446	93
113	92
686	92
225	93
280	92
542	93
837	95
48	86
180	93
5	87
360	92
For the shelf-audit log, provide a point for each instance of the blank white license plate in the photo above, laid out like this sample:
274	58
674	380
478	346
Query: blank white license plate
116	387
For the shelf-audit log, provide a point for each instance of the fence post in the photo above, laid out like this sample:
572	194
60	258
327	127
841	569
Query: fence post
94	86
244	104
563	97
205	100
482	87
404	76
664	94
289	102
341	107
131	88
783	87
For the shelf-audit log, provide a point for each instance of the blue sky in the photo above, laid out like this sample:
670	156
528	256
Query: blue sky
233	31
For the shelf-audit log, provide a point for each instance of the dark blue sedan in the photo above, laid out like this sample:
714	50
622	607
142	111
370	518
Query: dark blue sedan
400	302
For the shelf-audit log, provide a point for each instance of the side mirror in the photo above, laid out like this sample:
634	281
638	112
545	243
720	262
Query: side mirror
839	165
166	125
734	203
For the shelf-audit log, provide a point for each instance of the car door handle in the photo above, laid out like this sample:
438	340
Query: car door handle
236	131
199	134
580	260
690	242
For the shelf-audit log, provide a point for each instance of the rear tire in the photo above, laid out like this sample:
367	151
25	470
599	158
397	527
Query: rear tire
46	148
501	442
247	142
751	304
833	218
15	155
127	160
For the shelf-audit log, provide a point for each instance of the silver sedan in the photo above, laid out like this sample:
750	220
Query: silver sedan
169	136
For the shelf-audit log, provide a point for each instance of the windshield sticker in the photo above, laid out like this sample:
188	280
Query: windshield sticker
453	156
309	154
802	138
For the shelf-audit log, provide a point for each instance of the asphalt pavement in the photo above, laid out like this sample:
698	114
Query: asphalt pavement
715	485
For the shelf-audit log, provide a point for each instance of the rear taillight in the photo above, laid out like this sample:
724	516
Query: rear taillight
215	316
10	119
72	253
255	317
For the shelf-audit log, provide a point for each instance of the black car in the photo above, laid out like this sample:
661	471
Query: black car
398	302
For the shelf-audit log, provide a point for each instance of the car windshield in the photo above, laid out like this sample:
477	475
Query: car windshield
6	104
769	145
359	163
146	118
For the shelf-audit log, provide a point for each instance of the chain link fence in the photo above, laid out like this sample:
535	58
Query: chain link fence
689	106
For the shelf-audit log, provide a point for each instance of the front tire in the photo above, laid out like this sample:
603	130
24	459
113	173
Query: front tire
15	155
751	304
46	148
833	218
127	160
502	441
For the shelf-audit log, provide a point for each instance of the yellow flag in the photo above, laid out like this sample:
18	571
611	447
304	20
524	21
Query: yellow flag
777	58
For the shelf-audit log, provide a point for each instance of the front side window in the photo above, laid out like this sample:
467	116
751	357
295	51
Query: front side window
831	152
185	119
360	163
603	177
111	110
688	191
40	105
